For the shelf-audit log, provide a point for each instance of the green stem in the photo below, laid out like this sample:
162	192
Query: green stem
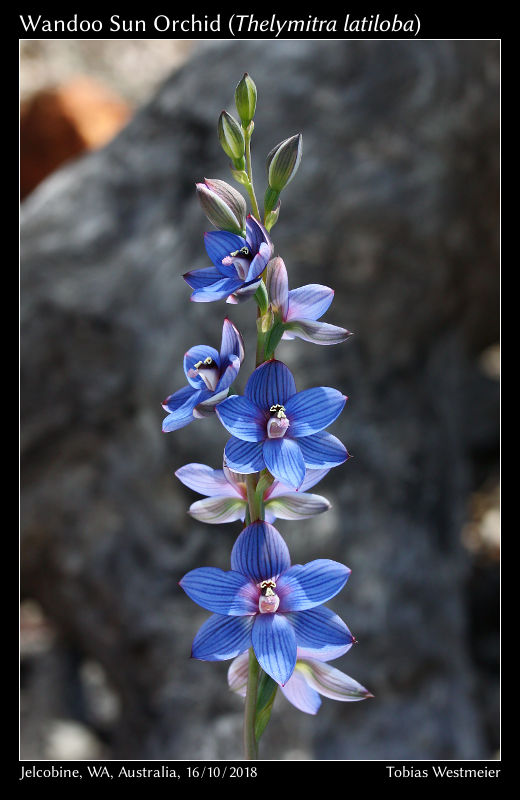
250	745
249	186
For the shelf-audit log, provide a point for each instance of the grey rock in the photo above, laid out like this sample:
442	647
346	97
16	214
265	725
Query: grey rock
395	206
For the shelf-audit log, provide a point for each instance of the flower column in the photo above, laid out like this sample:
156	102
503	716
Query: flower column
267	615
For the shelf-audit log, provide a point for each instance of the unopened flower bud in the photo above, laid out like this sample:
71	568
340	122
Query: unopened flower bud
232	139
224	206
283	162
245	99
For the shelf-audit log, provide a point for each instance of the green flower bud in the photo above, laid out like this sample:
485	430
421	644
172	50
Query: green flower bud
232	139
245	100
224	206
283	162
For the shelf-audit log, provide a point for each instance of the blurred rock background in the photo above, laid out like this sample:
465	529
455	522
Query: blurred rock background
396	207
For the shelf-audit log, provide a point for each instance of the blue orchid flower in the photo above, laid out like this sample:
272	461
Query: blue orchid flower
238	262
275	427
266	603
209	374
226	495
299	309
312	676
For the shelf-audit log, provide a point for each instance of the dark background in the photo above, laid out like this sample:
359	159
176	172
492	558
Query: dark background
396	207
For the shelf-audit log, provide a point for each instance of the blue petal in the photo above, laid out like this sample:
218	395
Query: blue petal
300	694
219	244
217	291
312	477
192	357
309	302
259	263
198	278
274	643
256	235
244	292
315	332
243	456
260	553
269	384
283	458
182	415
277	285
322	450
307	586
320	633
229	371
313	409
207	481
232	343
179	398
222	637
222	592
242	418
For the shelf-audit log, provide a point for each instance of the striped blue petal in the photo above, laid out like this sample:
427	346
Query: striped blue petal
322	450
309	302
222	637
244	456
219	244
283	458
315	332
312	477
244	292
218	291
274	643
192	357
242	418
256	234
232	343
208	481
198	278
297	505
320	633
270	383
300	694
309	585
229	371
277	284
216	510
313	410
222	592
259	263
179	398
260	553
181	405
